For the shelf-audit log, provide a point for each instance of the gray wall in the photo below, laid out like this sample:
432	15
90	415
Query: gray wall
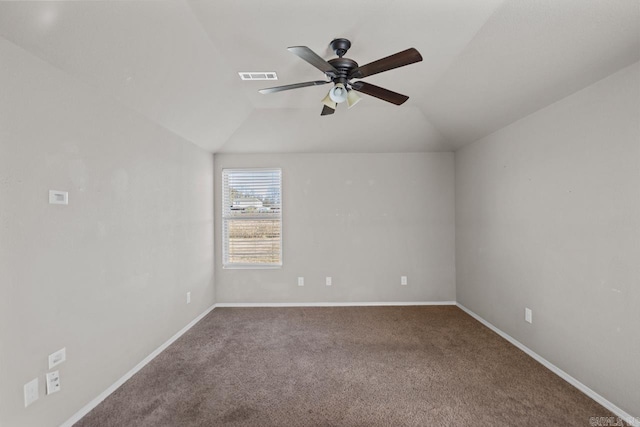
363	219
106	276
548	217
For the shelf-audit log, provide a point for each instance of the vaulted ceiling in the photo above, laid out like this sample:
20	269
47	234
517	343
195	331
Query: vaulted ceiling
487	63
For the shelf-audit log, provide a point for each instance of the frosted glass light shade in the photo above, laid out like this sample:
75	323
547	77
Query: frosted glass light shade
328	102
352	98
338	93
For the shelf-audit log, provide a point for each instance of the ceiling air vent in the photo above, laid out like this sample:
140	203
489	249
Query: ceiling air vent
258	75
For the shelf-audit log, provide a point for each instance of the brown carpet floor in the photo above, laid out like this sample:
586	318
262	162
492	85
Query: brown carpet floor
343	366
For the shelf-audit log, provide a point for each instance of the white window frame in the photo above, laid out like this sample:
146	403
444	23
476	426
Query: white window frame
228	216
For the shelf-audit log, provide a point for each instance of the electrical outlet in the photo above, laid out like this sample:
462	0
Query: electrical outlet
188	297
328	281
528	315
403	280
30	392
53	382
300	281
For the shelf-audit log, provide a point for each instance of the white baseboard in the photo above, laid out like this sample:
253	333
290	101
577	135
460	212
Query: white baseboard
633	421
330	304
95	402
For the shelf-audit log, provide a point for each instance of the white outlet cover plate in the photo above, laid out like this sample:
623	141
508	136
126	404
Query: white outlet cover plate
30	392
403	280
329	281
58	357
300	281
53	382
528	315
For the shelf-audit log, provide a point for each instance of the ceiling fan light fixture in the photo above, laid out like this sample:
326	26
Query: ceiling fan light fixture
340	71
338	93
352	98
329	102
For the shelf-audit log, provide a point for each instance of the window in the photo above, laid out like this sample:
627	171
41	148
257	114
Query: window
251	218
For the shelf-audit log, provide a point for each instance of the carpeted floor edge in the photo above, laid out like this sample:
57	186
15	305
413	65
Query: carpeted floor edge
628	418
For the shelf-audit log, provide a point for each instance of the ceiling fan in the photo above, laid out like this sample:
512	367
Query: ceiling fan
341	71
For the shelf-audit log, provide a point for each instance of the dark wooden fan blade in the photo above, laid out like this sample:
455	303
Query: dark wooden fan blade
397	60
327	110
379	92
314	59
293	86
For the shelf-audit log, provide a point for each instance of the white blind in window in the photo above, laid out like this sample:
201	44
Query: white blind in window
251	217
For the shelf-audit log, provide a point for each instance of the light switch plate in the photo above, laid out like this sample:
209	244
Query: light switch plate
528	315
30	392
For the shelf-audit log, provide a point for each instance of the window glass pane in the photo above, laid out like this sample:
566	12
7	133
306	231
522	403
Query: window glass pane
254	241
252	217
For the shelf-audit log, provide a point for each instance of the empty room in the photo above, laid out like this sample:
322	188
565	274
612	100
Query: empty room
363	213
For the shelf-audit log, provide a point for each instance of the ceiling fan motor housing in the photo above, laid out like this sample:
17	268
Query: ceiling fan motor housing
344	67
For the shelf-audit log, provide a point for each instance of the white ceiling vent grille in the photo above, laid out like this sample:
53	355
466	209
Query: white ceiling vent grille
258	75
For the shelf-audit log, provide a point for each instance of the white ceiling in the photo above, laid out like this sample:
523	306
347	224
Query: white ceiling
486	64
